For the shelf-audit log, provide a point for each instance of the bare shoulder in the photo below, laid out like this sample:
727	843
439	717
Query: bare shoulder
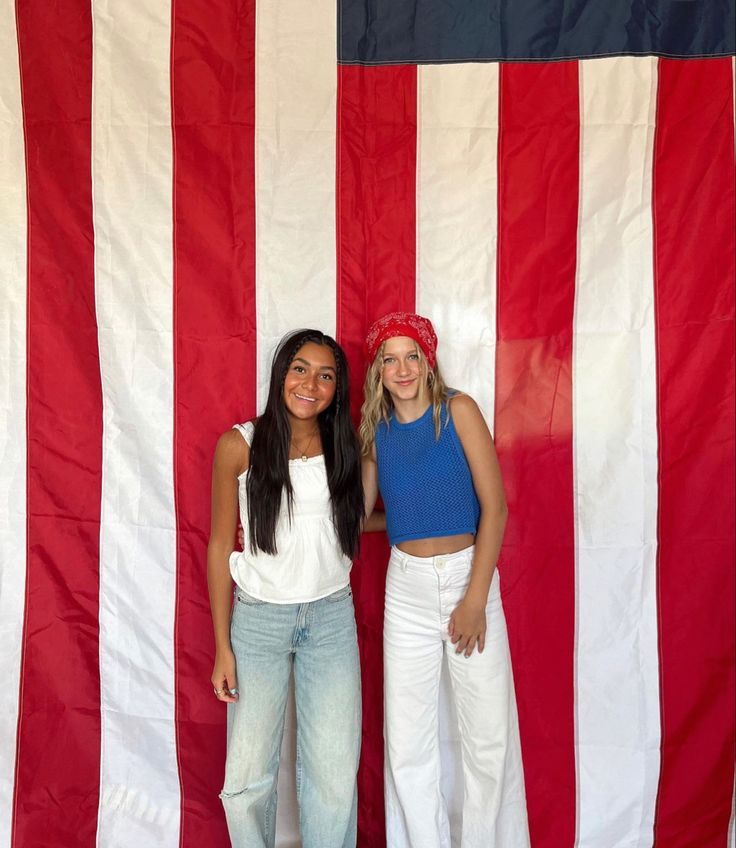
465	411
232	452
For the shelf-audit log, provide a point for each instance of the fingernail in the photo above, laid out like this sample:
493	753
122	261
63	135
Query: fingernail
234	692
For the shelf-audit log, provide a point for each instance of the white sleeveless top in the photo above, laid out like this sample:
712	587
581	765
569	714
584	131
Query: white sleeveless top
310	563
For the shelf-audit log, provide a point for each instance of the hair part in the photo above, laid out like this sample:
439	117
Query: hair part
377	403
268	473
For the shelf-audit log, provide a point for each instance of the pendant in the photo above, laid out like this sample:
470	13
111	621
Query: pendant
304	457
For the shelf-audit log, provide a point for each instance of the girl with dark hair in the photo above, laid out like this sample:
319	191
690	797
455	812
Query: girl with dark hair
429	451
295	475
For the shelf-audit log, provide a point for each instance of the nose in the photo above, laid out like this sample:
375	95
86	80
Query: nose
310	380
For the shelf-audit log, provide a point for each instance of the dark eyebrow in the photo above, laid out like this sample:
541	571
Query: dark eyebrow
307	362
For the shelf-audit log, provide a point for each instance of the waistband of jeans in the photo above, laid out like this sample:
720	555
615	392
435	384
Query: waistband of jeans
404	560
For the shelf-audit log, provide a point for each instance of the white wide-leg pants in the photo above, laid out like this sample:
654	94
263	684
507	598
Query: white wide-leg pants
421	594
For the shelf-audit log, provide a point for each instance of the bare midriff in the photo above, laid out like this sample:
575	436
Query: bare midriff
436	546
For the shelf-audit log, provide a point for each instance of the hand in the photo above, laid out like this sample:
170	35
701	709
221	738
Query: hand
224	680
467	627
241	537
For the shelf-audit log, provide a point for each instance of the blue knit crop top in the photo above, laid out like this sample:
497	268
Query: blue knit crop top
425	484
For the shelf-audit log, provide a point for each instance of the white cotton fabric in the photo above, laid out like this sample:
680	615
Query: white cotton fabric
421	594
309	564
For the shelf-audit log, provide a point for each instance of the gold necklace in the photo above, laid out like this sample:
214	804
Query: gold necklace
303	453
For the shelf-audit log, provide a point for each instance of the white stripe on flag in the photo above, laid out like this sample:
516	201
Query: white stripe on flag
296	94
132	190
13	273
615	438
457	138
295	220
457	143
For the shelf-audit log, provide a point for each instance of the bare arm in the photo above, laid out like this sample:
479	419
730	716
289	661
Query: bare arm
231	459
468	625
374	519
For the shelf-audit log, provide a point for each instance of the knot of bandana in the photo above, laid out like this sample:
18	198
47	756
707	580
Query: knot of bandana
403	324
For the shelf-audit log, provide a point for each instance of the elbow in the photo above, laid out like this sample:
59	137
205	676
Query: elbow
496	513
218	549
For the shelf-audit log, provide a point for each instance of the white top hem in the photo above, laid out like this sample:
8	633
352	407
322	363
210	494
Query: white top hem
282	601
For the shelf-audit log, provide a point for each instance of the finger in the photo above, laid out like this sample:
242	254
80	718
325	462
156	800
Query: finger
471	646
451	627
461	645
481	642
456	637
232	685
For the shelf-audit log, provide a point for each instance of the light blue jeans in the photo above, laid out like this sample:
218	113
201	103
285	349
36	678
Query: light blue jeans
319	639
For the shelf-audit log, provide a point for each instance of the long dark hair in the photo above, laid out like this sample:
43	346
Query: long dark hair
268	475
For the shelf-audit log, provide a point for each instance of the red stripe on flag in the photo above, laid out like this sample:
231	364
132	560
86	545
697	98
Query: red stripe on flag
537	237
694	223
376	261
213	113
58	755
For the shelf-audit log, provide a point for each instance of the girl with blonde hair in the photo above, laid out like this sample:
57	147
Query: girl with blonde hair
430	453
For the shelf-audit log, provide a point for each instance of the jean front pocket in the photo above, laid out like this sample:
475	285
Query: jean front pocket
340	595
244	598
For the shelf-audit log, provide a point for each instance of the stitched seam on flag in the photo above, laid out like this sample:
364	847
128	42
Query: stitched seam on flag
511	60
499	186
14	820
174	429
575	471
655	242
257	339
417	183
103	446
338	198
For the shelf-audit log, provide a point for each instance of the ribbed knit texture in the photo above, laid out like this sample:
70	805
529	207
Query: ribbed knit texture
425	484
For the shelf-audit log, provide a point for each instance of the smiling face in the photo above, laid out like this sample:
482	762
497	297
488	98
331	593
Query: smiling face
404	371
310	382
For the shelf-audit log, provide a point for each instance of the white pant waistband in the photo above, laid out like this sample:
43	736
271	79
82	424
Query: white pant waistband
460	559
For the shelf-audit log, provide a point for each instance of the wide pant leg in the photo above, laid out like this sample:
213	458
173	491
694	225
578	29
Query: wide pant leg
261	636
412	643
421	594
327	683
494	802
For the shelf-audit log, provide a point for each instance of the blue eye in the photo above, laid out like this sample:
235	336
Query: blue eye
413	356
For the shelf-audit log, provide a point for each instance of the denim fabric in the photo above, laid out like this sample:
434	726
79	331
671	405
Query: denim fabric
319	639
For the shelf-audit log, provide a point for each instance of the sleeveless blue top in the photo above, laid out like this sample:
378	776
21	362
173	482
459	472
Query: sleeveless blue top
425	484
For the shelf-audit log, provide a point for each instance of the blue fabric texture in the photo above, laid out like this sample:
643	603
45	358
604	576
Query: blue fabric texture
389	32
425	483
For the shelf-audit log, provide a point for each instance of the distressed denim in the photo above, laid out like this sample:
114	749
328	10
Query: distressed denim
319	640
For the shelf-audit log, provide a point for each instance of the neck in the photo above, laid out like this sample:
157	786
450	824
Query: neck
303	427
409	410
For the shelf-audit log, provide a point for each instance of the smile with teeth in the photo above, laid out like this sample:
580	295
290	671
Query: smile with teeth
308	399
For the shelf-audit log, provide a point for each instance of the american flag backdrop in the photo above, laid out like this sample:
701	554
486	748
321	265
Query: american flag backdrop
183	181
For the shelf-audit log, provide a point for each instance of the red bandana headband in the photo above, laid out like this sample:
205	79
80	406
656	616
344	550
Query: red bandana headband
403	324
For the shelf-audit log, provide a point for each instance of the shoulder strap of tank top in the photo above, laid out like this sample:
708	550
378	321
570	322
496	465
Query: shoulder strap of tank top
246	431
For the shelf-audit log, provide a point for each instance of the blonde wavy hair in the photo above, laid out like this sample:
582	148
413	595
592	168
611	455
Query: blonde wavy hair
377	403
